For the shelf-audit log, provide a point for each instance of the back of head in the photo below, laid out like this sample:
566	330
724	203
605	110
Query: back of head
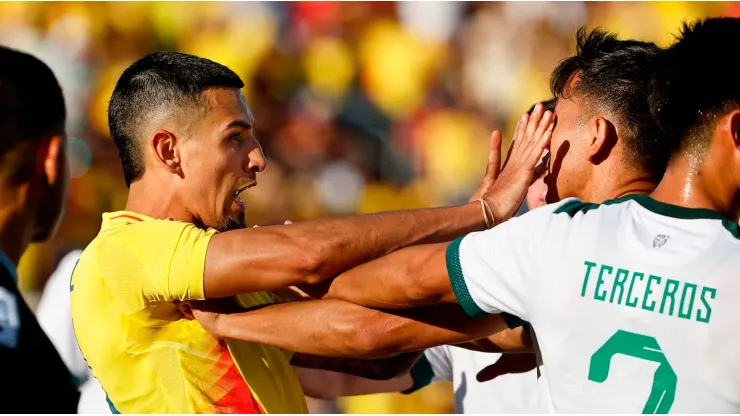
612	76
161	81
31	109
32	143
695	82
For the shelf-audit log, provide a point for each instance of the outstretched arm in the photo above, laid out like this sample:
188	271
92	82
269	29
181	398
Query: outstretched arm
372	369
412	277
271	258
336	328
310	252
330	385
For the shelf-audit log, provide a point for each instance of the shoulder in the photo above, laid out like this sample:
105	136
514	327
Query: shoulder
149	235
153	228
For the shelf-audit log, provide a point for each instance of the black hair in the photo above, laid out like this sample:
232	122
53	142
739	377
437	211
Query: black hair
31	101
549	105
613	76
158	80
694	82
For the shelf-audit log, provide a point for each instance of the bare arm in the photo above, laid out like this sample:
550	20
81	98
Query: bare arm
329	385
412	277
336	328
373	369
515	340
310	252
281	256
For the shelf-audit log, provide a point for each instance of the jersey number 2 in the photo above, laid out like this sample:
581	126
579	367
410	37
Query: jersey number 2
645	348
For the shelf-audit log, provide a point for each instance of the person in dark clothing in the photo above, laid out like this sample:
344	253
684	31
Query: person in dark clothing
34	176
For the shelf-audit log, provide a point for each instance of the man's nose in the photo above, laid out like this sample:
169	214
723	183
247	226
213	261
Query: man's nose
256	161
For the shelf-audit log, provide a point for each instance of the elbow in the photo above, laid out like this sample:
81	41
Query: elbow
420	290
305	262
380	336
367	337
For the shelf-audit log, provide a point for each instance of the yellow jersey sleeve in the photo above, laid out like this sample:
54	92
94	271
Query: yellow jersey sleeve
169	267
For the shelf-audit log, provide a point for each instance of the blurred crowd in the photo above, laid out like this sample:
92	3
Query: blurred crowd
360	106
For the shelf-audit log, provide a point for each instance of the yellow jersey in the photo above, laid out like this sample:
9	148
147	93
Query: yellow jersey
147	356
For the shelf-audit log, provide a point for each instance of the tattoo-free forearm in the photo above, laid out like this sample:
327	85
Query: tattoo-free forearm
271	258
372	369
515	340
337	328
330	385
412	277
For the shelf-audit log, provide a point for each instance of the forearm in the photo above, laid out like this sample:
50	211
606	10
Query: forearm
515	340
310	252
336	328
412	277
345	243
372	369
330	385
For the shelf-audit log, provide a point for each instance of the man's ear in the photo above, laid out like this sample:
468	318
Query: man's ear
164	144
603	137
733	124
49	157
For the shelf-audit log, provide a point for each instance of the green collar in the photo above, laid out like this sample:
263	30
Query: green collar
660	208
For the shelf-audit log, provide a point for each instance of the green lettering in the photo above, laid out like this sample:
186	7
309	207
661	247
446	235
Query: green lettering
648	292
629	291
669	292
712	293
589	265
600	281
619	282
688	313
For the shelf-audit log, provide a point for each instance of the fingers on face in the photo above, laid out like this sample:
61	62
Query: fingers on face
520	129
494	153
534	119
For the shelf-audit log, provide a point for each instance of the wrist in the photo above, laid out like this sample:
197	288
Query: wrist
487	213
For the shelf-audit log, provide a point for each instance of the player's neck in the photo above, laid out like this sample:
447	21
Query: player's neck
616	186
683	185
152	199
16	232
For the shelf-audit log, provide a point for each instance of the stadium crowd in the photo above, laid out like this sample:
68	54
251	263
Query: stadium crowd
360	107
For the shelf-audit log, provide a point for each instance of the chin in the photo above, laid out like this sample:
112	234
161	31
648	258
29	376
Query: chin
229	224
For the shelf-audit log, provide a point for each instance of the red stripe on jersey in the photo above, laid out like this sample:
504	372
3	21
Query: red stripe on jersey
239	398
126	216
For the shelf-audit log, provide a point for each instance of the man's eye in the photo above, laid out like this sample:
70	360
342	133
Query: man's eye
237	138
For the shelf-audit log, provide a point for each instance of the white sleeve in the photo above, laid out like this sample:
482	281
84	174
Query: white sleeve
441	362
434	365
491	271
54	314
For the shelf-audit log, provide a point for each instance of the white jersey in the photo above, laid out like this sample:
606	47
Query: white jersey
634	302
508	393
54	314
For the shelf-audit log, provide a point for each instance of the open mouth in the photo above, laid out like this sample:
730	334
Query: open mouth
240	194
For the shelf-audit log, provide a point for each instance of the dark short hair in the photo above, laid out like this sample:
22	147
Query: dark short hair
549	105
31	100
157	80
695	81
613	76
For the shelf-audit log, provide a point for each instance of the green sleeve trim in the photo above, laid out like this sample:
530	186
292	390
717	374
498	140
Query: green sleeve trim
421	373
457	280
513	321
